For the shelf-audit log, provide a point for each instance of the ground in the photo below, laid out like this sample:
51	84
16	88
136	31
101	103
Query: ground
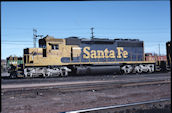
55	100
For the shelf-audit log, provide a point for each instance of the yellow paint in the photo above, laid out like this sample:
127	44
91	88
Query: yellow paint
125	54
53	57
106	53
112	54
121	52
88	53
93	54
100	54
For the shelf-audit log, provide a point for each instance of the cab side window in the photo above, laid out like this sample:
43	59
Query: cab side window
54	47
42	46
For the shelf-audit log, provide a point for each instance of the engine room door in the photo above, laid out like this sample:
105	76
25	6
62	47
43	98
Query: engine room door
75	54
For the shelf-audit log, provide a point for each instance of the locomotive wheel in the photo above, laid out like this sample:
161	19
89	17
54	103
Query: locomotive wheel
27	76
138	69
63	73
48	74
127	69
151	70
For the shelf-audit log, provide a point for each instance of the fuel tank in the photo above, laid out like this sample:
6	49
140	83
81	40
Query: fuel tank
97	70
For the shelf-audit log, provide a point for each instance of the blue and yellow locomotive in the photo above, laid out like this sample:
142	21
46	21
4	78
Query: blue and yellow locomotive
73	55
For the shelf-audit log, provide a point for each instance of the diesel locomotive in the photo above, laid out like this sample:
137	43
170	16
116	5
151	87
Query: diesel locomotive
73	55
14	66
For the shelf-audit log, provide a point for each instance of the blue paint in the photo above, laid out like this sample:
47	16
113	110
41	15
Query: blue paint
134	54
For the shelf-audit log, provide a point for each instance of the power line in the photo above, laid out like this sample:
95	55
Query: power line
15	41
4	41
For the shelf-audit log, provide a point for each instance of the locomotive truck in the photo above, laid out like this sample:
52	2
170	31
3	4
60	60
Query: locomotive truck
73	55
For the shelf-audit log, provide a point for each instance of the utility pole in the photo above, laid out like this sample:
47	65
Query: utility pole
34	37
92	33
159	55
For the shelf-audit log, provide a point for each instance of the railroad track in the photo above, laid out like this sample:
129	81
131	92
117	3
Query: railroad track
77	86
153	106
102	91
86	78
79	78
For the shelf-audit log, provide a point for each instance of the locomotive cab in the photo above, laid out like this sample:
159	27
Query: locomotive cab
39	60
48	52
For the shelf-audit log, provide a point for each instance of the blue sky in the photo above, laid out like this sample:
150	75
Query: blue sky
145	20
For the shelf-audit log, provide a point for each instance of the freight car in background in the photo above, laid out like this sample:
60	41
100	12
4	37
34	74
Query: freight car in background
14	65
155	57
73	55
3	66
161	61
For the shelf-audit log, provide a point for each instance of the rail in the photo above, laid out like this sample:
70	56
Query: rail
161	104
